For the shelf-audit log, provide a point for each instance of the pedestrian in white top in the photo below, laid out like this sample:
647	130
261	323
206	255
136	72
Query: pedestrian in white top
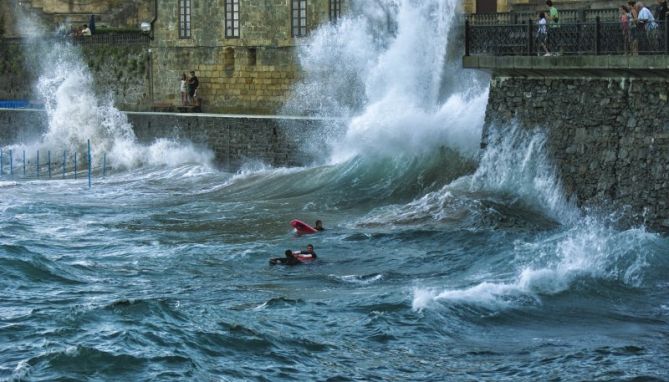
646	23
183	89
542	33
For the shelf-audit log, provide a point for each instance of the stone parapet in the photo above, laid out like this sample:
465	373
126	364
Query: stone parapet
234	139
572	66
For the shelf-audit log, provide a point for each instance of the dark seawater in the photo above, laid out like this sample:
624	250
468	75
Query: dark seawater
162	274
432	268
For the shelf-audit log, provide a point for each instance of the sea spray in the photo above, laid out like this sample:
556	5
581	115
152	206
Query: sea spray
516	162
382	70
76	114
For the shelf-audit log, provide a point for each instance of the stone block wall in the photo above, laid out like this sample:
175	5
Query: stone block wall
608	137
232	79
233	139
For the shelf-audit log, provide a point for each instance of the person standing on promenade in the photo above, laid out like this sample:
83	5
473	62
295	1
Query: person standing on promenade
625	21
553	24
183	89
634	30
646	24
193	84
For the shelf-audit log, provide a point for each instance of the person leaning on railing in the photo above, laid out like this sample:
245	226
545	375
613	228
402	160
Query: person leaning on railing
625	22
634	30
646	23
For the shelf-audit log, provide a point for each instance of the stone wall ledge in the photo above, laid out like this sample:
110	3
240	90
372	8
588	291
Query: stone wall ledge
234	139
655	66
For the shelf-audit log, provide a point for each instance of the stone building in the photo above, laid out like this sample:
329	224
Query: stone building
243	51
118	14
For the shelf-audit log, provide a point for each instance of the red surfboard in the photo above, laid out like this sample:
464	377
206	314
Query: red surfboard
302	228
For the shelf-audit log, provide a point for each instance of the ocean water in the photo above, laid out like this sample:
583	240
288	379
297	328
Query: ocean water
438	263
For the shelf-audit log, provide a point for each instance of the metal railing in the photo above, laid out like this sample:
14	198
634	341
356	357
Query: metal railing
115	38
566	16
577	38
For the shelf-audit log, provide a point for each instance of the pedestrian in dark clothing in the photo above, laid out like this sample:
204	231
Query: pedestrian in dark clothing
193	85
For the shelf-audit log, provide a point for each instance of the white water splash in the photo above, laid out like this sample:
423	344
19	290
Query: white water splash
516	162
75	114
383	70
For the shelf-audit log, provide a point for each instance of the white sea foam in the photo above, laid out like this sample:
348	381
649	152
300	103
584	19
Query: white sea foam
21	371
587	251
516	162
360	280
76	114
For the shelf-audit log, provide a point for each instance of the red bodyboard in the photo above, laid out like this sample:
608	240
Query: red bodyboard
305	259
302	227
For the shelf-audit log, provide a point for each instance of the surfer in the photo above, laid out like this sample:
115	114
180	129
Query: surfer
319	226
295	257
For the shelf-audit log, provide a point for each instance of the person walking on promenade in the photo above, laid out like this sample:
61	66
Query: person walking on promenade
542	33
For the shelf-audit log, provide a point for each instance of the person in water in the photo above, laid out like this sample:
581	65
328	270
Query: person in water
319	226
292	256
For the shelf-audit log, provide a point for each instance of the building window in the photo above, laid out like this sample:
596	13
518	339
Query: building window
184	18
232	18
335	10
299	18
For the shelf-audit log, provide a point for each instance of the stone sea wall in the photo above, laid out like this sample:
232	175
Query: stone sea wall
234	139
609	137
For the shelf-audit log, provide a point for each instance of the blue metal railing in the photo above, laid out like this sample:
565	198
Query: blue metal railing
72	169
